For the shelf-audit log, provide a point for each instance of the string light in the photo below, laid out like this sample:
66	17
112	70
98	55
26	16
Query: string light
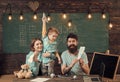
21	16
69	23
35	16
89	16
110	24
48	17
103	14
10	12
64	16
10	16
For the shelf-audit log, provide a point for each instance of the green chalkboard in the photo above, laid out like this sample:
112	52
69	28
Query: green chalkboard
93	34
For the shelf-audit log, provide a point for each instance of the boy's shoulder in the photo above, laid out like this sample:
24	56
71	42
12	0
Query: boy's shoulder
44	38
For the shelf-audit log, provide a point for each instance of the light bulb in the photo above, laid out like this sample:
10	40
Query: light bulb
10	16
89	16
103	15
49	18
64	16
21	17
110	25
69	23
35	17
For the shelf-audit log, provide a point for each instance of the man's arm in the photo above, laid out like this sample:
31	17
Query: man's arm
65	68
85	67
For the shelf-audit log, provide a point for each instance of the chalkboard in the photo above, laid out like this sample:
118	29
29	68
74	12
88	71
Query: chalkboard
93	34
104	65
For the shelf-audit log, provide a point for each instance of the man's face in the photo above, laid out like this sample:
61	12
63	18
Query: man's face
72	45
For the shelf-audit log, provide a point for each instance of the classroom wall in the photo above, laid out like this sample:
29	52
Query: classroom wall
10	62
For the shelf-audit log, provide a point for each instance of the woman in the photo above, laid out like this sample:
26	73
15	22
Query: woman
34	57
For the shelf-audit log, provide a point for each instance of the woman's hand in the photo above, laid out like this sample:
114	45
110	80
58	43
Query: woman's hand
46	54
35	57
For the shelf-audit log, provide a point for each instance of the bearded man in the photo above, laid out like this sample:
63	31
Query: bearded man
70	63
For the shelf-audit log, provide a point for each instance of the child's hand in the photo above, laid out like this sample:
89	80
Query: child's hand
44	18
59	61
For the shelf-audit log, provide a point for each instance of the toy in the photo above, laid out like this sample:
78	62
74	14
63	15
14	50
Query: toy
25	72
52	75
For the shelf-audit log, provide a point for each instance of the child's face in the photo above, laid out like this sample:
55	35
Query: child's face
38	46
52	36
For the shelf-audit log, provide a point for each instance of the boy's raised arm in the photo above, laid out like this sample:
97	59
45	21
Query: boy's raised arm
44	20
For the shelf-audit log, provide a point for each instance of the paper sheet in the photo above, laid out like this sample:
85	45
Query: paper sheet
81	51
39	79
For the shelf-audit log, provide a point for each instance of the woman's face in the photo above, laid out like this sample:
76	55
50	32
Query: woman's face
38	46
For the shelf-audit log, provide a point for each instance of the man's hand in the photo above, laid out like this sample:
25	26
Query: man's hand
84	66
81	62
74	62
68	68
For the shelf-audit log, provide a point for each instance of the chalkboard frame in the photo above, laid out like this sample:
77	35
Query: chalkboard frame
109	60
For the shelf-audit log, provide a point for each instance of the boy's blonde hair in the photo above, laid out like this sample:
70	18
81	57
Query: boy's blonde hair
53	29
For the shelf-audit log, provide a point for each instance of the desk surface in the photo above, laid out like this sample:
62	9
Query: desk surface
64	79
56	79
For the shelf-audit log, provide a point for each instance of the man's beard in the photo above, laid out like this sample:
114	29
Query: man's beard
72	48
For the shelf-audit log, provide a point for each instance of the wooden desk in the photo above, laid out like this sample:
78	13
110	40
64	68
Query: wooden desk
117	79
66	79
56	79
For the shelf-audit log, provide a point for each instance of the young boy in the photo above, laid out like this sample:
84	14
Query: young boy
50	48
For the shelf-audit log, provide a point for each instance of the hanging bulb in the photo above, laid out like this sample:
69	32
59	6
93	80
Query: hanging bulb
69	23
35	16
48	18
10	12
110	25
89	16
103	15
10	16
21	16
64	16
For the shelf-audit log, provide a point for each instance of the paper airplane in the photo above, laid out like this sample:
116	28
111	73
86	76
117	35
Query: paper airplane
44	16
